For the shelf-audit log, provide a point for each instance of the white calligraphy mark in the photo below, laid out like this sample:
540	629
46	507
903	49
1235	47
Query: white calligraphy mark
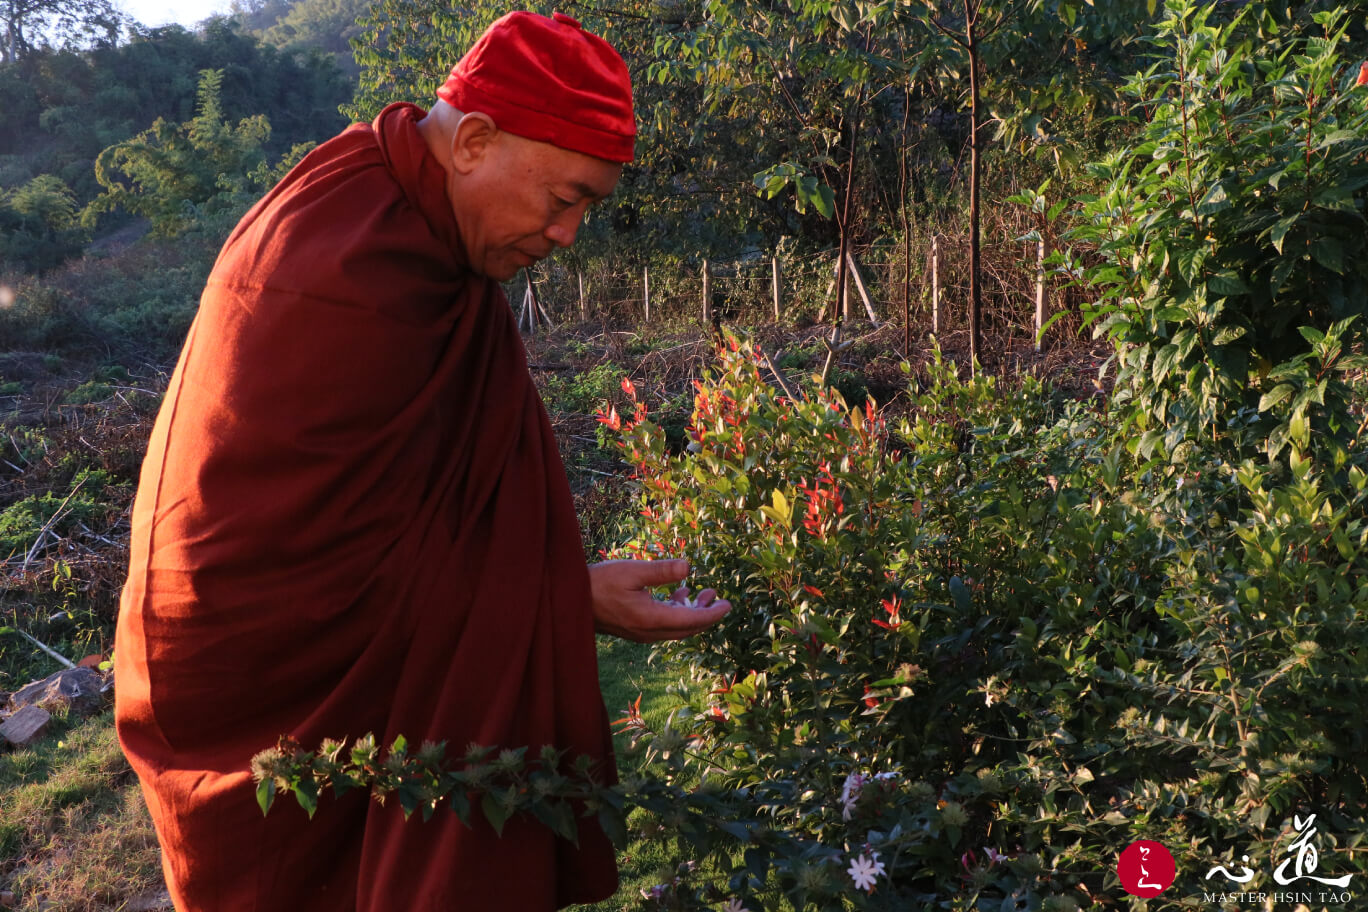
1140	884
1244	878
1306	858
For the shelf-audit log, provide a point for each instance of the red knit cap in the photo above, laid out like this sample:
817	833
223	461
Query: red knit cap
548	80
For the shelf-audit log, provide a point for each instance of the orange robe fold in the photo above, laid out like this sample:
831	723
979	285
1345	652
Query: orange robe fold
353	518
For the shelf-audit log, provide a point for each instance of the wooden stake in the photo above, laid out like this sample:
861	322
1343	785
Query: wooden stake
584	312
935	285
778	295
707	294
646	290
538	307
533	312
860	286
1040	291
525	315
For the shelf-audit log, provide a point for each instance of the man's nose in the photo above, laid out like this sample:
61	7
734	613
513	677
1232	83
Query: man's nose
562	231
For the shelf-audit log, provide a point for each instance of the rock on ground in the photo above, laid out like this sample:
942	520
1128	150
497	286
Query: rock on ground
25	726
81	690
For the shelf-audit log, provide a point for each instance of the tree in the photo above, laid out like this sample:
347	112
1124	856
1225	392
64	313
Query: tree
68	21
165	172
976	31
38	225
328	25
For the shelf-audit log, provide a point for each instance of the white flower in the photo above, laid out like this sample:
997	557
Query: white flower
865	870
734	905
994	855
850	793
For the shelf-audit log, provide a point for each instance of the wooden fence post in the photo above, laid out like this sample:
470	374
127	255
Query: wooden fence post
1040	291
935	284
646	290
778	297
707	294
860	286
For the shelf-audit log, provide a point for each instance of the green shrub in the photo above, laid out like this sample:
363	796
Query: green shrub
1048	647
584	391
88	392
23	521
1234	243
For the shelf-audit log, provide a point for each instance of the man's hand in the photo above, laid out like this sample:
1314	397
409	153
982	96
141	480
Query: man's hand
623	606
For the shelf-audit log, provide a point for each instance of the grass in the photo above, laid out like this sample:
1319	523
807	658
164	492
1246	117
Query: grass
75	835
625	674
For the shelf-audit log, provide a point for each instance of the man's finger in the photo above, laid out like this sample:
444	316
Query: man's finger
659	573
670	618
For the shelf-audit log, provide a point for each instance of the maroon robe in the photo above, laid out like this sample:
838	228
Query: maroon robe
353	518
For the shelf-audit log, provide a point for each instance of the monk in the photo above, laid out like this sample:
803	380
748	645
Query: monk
353	517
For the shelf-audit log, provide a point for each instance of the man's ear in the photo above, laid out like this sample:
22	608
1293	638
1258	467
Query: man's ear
475	136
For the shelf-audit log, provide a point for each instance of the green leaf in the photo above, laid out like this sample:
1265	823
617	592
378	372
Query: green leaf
738	830
960	593
1276	395
265	790
1278	233
614	825
460	805
494	812
780	510
1227	282
559	818
1163	362
1190	264
306	793
1299	430
1215	199
825	201
1329	252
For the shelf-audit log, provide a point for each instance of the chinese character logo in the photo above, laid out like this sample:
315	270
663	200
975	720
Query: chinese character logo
1245	876
1303	858
1146	868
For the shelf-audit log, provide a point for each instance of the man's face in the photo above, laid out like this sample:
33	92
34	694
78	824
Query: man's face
519	200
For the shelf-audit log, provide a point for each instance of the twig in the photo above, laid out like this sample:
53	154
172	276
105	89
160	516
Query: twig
833	345
769	362
598	472
56	655
47	527
108	541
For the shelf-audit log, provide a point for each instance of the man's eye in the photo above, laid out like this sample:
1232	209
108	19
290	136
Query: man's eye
562	203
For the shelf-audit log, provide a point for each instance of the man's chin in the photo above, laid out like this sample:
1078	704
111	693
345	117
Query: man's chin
504	270
499	272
